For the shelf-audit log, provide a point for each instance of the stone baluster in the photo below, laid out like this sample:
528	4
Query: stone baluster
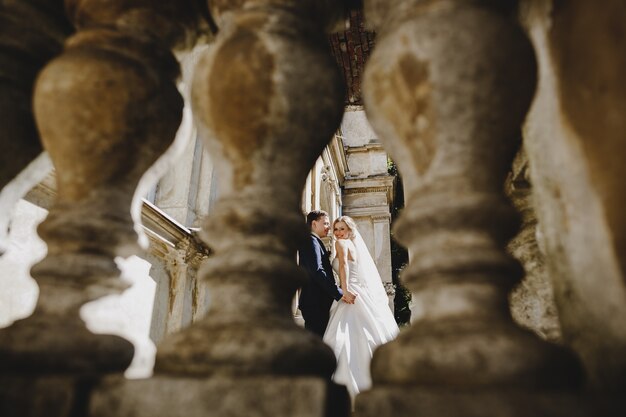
267	98
31	33
106	108
447	89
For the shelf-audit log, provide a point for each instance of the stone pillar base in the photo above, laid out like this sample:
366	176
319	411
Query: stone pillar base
405	401
44	396
263	396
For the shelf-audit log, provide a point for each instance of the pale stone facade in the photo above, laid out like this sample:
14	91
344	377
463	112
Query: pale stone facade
368	189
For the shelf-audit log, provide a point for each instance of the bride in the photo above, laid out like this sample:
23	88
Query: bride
354	331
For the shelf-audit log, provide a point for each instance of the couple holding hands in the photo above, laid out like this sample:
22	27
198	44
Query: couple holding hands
354	317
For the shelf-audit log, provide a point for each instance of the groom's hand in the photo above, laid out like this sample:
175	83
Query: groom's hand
348	297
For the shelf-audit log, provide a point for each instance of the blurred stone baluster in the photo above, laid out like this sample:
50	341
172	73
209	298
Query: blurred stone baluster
267	97
31	33
106	108
264	143
577	121
447	89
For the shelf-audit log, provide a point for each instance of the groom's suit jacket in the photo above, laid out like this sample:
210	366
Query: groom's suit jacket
318	293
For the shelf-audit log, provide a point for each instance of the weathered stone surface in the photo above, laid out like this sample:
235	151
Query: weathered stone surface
263	143
448	105
177	24
171	396
328	12
31	33
106	108
451	402
449	89
574	140
532	300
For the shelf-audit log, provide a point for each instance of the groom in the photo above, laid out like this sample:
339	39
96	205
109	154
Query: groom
318	293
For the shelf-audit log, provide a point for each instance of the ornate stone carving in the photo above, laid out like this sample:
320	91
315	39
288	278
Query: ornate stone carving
106	109
532	300
447	89
263	143
368	190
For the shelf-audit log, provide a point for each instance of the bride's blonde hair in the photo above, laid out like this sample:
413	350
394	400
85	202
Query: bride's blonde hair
349	222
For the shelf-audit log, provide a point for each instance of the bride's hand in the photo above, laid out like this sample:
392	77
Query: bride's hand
348	297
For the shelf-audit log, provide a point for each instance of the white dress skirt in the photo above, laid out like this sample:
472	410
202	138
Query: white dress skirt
354	331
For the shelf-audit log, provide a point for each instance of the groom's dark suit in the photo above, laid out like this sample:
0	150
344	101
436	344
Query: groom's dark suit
318	293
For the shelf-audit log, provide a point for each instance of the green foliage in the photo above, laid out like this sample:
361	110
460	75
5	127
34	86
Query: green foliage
392	168
399	254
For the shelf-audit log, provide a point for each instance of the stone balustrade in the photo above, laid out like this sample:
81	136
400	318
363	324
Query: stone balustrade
264	143
447	90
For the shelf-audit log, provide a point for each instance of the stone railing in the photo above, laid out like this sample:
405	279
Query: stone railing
175	253
447	89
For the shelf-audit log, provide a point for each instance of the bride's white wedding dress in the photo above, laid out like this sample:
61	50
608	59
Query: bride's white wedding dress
354	331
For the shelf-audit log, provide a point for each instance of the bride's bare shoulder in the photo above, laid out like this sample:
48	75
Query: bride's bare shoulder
346	248
342	243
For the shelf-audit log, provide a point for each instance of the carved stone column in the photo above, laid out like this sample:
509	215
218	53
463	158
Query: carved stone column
31	33
532	300
180	297
106	109
447	89
268	98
